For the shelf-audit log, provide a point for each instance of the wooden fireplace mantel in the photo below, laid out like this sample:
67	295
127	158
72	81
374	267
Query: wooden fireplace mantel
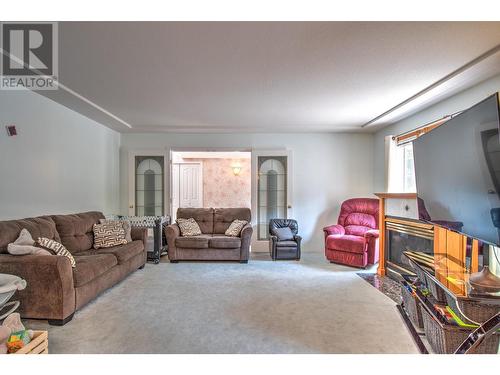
397	195
381	223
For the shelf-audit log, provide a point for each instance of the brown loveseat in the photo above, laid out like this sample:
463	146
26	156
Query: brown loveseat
55	290
212	244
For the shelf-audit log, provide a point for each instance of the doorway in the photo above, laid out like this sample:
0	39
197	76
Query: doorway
210	179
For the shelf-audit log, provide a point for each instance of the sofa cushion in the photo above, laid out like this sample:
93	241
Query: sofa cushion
223	217
88	267
224	242
196	242
203	216
76	230
348	243
42	226
124	252
286	244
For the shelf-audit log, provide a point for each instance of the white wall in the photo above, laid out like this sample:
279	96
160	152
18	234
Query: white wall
458	102
60	161
327	169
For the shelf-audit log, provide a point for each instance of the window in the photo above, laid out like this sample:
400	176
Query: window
400	168
409	185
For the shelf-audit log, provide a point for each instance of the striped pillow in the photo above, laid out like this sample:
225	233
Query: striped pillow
109	234
56	248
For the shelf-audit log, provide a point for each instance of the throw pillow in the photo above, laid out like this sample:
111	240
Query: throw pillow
25	245
127	227
235	228
283	234
57	248
189	227
109	234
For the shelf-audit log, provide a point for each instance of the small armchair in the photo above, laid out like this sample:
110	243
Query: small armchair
288	249
353	241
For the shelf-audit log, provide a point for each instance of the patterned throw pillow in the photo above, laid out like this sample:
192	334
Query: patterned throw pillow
235	228
189	227
109	234
127	227
56	247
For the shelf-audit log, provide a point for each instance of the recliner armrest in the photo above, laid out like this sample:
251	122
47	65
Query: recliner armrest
50	292
334	229
372	233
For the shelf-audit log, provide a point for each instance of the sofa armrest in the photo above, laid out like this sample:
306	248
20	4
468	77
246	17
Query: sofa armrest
246	239
171	233
297	239
372	233
49	293
334	229
140	234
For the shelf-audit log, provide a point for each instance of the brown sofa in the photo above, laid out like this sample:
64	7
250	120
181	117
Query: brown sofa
212	244
55	290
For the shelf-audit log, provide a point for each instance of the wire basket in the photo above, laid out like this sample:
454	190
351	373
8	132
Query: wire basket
446	338
472	311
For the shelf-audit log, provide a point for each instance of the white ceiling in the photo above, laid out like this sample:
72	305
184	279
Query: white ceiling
264	76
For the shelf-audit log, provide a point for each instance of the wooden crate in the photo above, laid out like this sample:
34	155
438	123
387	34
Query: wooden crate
38	345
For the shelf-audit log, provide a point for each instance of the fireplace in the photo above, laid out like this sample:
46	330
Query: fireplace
403	235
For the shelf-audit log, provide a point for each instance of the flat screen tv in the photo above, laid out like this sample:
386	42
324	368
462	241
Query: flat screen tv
457	171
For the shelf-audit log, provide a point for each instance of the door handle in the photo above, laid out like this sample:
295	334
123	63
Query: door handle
289	206
131	206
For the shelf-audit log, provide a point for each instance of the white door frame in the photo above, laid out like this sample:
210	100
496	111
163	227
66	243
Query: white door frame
131	176
263	245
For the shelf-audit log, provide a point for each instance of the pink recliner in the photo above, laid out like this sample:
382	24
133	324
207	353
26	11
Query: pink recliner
353	241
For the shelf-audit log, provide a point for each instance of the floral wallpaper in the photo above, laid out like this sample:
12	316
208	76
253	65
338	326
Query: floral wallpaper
221	188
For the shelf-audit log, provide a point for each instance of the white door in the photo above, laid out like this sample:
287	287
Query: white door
190	185
271	192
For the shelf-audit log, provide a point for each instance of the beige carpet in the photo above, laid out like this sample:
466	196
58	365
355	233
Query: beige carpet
309	306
